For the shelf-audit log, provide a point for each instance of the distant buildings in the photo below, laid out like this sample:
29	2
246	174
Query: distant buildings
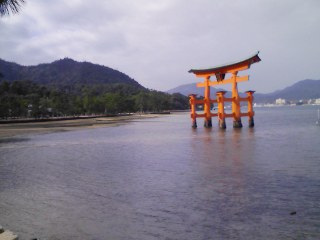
281	101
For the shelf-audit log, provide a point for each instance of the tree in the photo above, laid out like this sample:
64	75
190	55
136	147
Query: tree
113	102
7	6
142	101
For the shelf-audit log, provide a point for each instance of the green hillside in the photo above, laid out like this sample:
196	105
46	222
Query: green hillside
66	87
65	72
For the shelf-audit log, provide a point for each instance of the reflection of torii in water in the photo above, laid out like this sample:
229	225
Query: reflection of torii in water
220	73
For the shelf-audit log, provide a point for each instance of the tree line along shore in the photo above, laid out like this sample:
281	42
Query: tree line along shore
26	99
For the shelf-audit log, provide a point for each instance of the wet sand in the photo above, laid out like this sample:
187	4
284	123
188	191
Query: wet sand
9	130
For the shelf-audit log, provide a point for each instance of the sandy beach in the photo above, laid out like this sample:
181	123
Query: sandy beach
9	130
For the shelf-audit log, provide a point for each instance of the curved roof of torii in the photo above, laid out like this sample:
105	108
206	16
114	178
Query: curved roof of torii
227	67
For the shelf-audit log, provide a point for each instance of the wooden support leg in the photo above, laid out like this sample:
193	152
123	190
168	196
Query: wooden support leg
220	98
194	123
208	123
222	123
250	108
237	123
251	122
236	103
192	101
207	104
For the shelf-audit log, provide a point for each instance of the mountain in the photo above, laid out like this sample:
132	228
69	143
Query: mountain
304	89
191	88
65	72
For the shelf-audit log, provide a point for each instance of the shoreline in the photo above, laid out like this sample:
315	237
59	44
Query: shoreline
55	119
7	235
24	128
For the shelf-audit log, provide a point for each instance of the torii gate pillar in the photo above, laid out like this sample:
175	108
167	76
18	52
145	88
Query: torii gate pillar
221	114
207	103
236	109
250	108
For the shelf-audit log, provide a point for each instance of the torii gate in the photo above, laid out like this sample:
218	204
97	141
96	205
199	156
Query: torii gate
220	73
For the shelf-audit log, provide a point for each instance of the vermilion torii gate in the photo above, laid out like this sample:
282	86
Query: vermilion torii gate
220	74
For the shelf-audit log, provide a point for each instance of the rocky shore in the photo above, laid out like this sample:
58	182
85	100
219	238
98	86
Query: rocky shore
7	235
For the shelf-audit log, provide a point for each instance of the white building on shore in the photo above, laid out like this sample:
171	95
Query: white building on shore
281	101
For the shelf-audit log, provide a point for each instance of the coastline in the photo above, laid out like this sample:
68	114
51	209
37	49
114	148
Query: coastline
15	129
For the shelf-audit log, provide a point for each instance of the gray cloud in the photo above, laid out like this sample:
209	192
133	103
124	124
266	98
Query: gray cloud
157	42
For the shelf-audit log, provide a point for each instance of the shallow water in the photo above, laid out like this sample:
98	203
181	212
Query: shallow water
160	179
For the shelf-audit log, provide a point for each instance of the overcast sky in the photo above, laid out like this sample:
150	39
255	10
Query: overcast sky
157	42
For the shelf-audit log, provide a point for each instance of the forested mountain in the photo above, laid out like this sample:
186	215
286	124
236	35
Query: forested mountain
304	89
65	72
67	87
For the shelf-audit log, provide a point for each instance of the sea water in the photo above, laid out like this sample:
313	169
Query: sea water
160	179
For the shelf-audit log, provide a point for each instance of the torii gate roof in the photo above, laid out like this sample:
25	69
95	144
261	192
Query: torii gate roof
241	65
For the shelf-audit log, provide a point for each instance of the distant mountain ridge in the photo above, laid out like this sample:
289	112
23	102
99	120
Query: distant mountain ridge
304	89
187	89
64	72
68	72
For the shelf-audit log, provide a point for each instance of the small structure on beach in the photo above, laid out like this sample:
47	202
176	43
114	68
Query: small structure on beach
220	73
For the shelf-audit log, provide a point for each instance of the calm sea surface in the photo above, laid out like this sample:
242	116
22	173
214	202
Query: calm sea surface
160	179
